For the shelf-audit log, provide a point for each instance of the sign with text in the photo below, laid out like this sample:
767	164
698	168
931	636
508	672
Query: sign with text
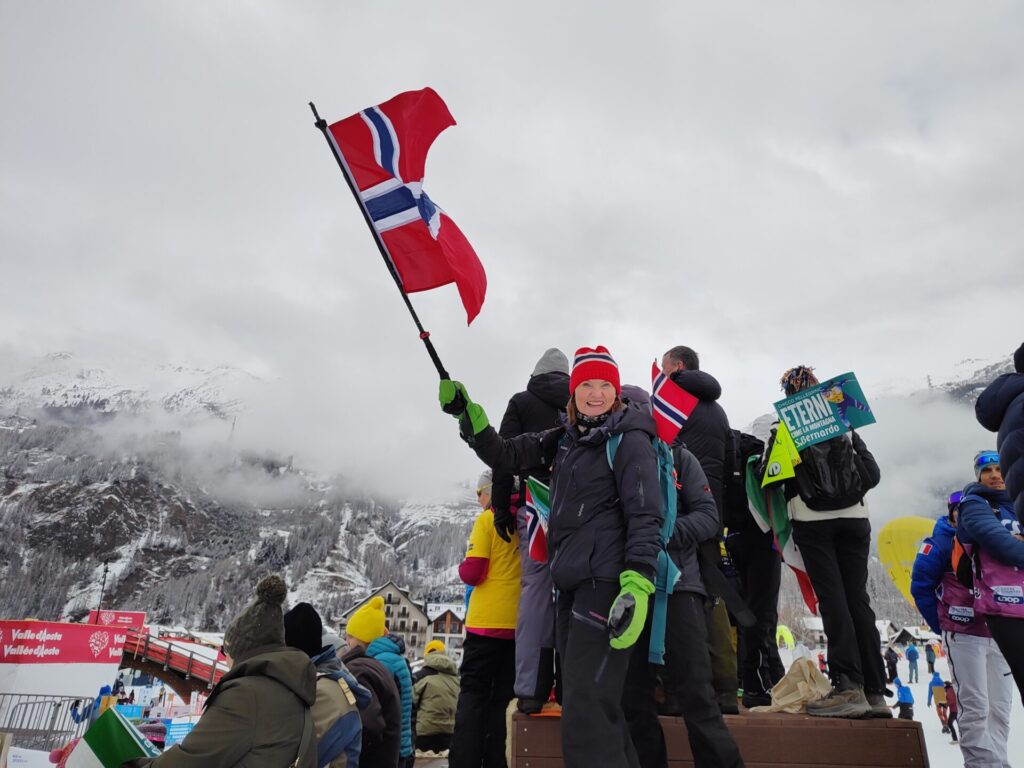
825	410
118	619
48	656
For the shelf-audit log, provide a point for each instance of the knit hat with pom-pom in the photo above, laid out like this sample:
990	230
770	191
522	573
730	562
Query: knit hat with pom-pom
367	624
260	625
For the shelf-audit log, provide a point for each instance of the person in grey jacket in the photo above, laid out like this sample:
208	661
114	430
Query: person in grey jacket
604	535
687	674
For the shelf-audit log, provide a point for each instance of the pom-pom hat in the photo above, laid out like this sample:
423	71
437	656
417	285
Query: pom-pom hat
367	624
260	625
594	363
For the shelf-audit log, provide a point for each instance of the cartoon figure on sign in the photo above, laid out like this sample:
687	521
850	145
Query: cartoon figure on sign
842	401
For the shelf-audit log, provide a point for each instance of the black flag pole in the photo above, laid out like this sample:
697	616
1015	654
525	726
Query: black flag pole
336	151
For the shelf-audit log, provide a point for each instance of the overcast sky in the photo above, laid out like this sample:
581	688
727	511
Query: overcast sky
832	183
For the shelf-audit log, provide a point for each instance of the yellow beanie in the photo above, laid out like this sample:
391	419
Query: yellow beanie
367	624
434	646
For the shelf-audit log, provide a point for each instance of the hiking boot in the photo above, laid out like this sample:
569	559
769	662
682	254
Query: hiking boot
752	699
727	703
846	700
879	709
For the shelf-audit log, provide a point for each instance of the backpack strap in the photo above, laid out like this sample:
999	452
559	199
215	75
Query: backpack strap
307	739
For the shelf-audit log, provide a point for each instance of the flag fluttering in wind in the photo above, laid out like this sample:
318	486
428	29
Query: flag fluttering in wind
384	152
537	511
671	404
782	459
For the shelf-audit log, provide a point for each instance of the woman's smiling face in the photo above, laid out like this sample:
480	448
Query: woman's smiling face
594	397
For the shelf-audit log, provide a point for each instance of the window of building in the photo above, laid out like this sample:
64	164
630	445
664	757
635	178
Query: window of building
387	598
439	627
401	626
412	641
456	627
415	626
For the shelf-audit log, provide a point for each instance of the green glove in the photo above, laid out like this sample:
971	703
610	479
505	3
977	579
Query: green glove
629	611
455	400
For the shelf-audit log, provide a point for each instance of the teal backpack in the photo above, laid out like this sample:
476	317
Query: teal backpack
668	572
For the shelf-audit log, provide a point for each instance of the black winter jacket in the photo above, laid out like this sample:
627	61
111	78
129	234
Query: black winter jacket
696	520
603	520
706	432
382	719
1001	407
537	408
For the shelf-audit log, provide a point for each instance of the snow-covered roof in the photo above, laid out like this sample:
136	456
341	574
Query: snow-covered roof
434	610
814	623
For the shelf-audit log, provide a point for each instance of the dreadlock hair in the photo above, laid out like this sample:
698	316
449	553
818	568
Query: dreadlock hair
798	379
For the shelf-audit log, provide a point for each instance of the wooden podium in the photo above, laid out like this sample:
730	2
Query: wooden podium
765	741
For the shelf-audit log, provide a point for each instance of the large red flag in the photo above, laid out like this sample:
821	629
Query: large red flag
385	148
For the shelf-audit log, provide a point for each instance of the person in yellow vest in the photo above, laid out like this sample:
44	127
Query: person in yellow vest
488	669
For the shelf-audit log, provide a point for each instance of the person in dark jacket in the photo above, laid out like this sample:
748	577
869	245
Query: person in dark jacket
1000	408
891	660
539	407
603	542
992	536
832	530
686	677
382	718
339	696
706	434
258	714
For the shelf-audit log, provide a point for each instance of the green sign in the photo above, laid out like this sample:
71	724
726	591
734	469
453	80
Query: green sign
824	411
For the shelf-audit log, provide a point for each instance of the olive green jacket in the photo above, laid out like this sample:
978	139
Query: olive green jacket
435	696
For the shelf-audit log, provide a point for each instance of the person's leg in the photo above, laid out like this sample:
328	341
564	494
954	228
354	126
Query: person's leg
475	675
688	676
594	728
435	742
504	676
762	572
852	547
1009	636
1000	701
535	628
722	654
913	669
968	665
952	728
640	707
817	545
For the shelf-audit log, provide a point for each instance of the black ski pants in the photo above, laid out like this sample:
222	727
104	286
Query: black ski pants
835	553
686	677
594	729
487	675
1009	636
760	569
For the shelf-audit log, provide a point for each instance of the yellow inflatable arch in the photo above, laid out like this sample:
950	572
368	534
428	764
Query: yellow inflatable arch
898	544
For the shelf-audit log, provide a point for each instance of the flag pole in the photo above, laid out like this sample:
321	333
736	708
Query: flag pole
336	151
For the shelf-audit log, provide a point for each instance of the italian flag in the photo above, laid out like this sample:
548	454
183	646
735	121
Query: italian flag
768	506
109	742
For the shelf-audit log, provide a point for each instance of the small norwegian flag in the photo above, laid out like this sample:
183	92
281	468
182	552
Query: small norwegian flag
671	403
537	511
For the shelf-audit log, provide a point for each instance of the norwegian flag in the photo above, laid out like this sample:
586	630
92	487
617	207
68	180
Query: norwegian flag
385	148
671	403
537	511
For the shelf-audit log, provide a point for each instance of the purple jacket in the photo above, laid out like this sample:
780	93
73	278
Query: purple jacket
987	525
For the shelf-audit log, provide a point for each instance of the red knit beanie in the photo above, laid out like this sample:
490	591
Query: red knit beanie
593	364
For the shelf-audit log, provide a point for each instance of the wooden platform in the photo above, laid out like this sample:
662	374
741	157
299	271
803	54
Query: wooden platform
765	741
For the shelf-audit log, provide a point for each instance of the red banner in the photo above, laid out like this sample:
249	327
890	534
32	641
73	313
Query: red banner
51	642
118	619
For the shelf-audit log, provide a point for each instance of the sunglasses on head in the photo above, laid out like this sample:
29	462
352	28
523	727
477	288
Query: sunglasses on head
987	459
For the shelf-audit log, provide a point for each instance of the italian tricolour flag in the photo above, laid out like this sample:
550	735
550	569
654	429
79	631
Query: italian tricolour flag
109	742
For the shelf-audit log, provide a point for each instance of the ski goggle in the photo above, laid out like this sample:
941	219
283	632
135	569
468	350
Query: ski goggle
986	459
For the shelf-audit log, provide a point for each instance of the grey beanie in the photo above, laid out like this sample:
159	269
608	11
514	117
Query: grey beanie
552	361
485	481
261	623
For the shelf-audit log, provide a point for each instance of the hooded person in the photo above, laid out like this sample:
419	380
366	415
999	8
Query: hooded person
382	717
435	696
258	715
367	629
539	407
992	536
1000	409
975	661
604	536
707	435
339	696
491	568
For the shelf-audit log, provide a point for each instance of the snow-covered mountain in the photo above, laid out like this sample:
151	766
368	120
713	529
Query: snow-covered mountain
86	478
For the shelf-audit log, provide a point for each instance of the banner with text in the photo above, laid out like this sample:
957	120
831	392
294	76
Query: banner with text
54	657
118	619
824	411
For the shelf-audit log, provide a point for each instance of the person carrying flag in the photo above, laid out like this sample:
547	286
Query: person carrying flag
686	675
604	536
